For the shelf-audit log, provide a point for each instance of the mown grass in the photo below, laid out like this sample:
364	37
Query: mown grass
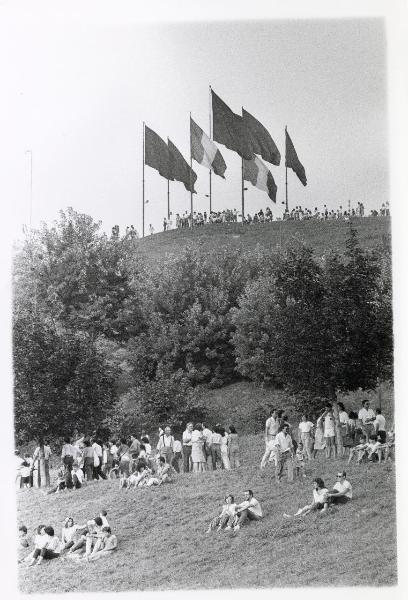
323	236
163	544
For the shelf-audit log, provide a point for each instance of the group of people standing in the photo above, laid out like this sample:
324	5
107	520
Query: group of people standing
282	447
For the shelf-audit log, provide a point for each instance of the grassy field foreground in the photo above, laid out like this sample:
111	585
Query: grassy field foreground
163	544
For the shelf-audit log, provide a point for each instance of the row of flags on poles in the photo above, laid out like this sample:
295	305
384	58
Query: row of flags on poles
243	134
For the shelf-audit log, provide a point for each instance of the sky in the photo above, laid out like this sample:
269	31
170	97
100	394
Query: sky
81	91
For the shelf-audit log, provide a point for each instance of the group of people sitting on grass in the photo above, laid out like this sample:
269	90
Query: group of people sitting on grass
340	494
363	435
88	541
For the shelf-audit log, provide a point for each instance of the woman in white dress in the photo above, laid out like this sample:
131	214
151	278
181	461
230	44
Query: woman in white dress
224	450
197	449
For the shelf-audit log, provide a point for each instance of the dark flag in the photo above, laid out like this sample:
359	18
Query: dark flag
260	176
292	160
157	153
180	169
204	151
260	139
228	128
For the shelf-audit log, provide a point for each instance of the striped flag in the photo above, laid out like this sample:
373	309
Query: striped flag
257	173
228	128
180	170
292	160
260	139
157	153
204	151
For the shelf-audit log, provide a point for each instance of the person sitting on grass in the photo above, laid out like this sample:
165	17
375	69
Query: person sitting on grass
342	491
22	537
359	450
164	472
319	502
39	541
69	533
228	510
386	450
105	545
60	483
50	550
86	538
78	476
373	447
137	479
250	510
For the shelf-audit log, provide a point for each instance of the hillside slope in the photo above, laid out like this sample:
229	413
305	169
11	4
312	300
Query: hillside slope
323	236
163	544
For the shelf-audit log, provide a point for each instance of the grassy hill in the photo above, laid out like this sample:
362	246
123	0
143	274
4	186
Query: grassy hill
163	544
323	236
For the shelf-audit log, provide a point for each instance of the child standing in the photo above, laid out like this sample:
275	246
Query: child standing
25	471
300	461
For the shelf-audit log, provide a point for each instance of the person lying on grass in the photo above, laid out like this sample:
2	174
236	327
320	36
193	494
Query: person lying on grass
104	546
228	510
319	502
50	550
342	491
250	510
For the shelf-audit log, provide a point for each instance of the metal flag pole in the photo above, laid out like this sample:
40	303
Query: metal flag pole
242	190
210	115
168	199
191	180
286	170
143	183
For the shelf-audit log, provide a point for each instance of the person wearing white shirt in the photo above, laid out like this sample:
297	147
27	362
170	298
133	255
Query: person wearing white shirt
306	430
379	425
165	445
320	500
366	416
250	510
207	433
228	511
329	431
271	430
187	447
98	456
216	439
342	491
284	450
51	550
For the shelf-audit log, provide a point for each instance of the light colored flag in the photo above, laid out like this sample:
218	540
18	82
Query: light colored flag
257	173
204	151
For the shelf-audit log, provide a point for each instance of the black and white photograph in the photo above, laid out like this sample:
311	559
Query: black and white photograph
201	217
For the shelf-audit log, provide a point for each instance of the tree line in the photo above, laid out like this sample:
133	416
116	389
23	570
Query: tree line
103	337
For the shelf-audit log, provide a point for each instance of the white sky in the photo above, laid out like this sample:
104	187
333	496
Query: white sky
79	93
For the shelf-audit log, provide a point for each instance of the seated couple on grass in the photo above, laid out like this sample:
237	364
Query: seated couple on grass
322	498
233	516
144	477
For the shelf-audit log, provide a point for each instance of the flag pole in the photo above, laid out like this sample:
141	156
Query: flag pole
242	190
143	183
286	169
210	113
168	199
191	180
